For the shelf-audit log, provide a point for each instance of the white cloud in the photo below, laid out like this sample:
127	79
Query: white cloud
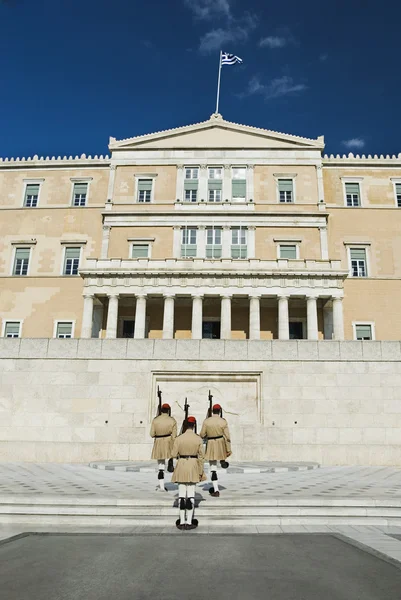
234	32
207	9
273	41
276	88
356	143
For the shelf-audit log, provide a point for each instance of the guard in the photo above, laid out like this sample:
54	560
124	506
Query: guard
215	430
164	432
188	449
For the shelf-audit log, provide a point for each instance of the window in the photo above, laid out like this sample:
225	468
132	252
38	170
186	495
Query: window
140	251
191	173
71	261
215	184
288	251
239	184
188	244
191	195
12	329
191	184
213	242
80	193
358	262
64	329
144	190
352	194
398	194
363	331
21	261
238	242
31	195
211	330
286	190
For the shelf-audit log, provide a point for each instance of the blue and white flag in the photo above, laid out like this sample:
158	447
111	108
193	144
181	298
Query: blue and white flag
230	59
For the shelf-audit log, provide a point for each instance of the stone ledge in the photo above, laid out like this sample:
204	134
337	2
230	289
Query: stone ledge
219	350
245	467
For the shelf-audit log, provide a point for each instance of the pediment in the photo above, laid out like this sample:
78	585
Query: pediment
219	134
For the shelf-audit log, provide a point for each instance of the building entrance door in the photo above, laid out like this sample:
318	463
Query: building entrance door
211	330
128	329
296	330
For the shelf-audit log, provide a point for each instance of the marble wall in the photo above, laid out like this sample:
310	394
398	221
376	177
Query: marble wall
82	400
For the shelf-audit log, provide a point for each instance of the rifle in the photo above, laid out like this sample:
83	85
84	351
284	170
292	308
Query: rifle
159	408
209	410
184	425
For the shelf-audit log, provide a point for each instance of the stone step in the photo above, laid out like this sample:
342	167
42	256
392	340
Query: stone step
258	467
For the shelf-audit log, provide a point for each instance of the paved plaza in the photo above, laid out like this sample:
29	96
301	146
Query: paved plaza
283	567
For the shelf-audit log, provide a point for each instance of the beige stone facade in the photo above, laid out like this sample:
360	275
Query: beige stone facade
213	230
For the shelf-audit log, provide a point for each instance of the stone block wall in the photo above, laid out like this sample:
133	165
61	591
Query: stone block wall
337	403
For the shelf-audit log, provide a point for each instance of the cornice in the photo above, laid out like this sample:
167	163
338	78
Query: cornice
352	160
52	162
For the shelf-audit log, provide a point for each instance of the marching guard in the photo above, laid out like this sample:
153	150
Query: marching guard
164	432
188	449
215	430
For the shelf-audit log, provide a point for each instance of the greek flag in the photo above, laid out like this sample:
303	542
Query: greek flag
230	59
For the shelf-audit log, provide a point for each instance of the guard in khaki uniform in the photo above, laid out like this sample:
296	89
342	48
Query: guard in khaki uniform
215	430
164	432
188	449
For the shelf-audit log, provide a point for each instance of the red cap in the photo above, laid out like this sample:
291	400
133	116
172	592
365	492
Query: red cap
165	405
216	407
191	420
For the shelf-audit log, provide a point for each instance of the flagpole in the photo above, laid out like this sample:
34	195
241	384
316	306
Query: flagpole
218	85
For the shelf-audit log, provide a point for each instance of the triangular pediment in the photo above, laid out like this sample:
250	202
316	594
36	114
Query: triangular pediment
216	133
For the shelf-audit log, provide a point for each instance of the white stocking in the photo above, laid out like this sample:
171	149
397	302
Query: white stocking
182	493
191	495
162	467
213	469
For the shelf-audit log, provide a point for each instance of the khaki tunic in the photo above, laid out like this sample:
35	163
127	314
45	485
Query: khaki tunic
188	470
163	425
215	426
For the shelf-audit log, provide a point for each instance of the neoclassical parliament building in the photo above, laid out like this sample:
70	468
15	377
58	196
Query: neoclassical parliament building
213	230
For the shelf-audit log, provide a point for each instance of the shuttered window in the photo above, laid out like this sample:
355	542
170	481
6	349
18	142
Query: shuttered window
363	332
398	193
288	251
239	244
188	243
64	329
140	250
31	195
358	262
215	184
191	183
238	184
213	242
12	329
353	196
71	261
79	194
286	190
21	262
144	190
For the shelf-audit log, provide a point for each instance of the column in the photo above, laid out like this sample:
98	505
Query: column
197	306
283	319
249	183
311	313
110	187
201	242
168	317
202	187
254	317
251	241
226	242
324	247
140	317
87	317
320	186
180	183
112	314
105	241
338	319
227	190
177	241
225	319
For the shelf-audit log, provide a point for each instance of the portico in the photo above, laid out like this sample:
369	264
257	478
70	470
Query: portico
183	299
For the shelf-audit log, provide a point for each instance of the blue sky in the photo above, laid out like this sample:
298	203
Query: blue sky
74	72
